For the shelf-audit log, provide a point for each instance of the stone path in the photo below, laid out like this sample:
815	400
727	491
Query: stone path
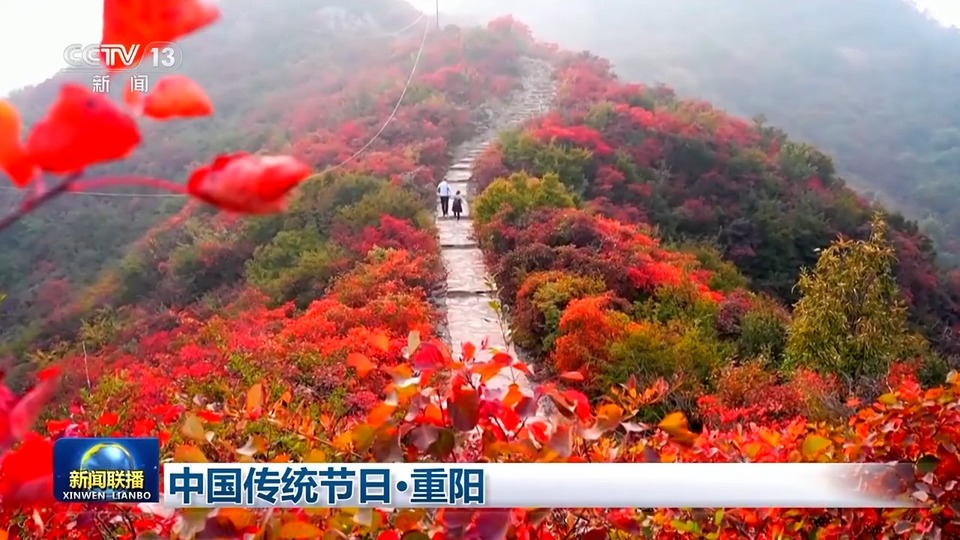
470	315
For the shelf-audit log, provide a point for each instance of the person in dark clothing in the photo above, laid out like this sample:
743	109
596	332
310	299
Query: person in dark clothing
457	205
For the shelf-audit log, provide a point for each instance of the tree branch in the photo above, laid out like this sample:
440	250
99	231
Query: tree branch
73	183
30	204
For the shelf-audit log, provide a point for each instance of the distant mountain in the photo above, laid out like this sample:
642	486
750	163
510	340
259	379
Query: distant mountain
271	71
871	81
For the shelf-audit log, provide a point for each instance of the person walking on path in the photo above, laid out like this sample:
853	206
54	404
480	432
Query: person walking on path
457	205
443	190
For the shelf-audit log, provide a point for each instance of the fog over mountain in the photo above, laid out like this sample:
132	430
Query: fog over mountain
871	81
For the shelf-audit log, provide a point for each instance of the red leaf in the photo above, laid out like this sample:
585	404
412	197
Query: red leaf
14	160
468	350
509	419
464	410
25	411
502	359
380	342
108	419
247	183
572	376
581	403
49	373
176	96
522	368
389	535
427	356
133	99
143	427
538	432
57	426
142	22
598	533
486	370
380	414
491	524
361	364
27	473
513	395
81	129
210	416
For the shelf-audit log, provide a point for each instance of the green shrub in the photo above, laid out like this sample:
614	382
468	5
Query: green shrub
521	194
540	303
677	352
296	266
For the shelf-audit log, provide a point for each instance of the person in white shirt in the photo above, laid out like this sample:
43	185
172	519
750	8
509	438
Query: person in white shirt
443	190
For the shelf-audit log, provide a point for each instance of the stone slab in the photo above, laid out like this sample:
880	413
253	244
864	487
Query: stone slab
454	233
465	271
458	175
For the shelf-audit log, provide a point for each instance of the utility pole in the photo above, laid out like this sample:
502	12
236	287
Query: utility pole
438	14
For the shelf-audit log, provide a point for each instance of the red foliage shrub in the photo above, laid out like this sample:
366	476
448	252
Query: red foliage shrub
586	330
391	233
732	310
550	130
487	168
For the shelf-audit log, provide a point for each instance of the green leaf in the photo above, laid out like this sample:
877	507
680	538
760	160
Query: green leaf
192	429
813	445
927	464
443	447
684	526
887	399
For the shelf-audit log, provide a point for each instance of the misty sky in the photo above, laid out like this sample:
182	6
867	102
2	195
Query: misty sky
34	40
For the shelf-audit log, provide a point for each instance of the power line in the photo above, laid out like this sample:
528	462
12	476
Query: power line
393	113
110	194
416	62
396	32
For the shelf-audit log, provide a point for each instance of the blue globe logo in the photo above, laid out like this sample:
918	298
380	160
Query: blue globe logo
107	457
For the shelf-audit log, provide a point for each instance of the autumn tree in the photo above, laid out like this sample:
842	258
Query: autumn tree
850	319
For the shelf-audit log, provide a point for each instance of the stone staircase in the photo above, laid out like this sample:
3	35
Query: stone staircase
470	315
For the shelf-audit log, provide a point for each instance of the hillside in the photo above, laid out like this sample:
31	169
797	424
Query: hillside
868	81
64	246
639	254
767	203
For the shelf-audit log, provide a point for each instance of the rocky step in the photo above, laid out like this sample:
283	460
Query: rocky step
455	176
459	186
